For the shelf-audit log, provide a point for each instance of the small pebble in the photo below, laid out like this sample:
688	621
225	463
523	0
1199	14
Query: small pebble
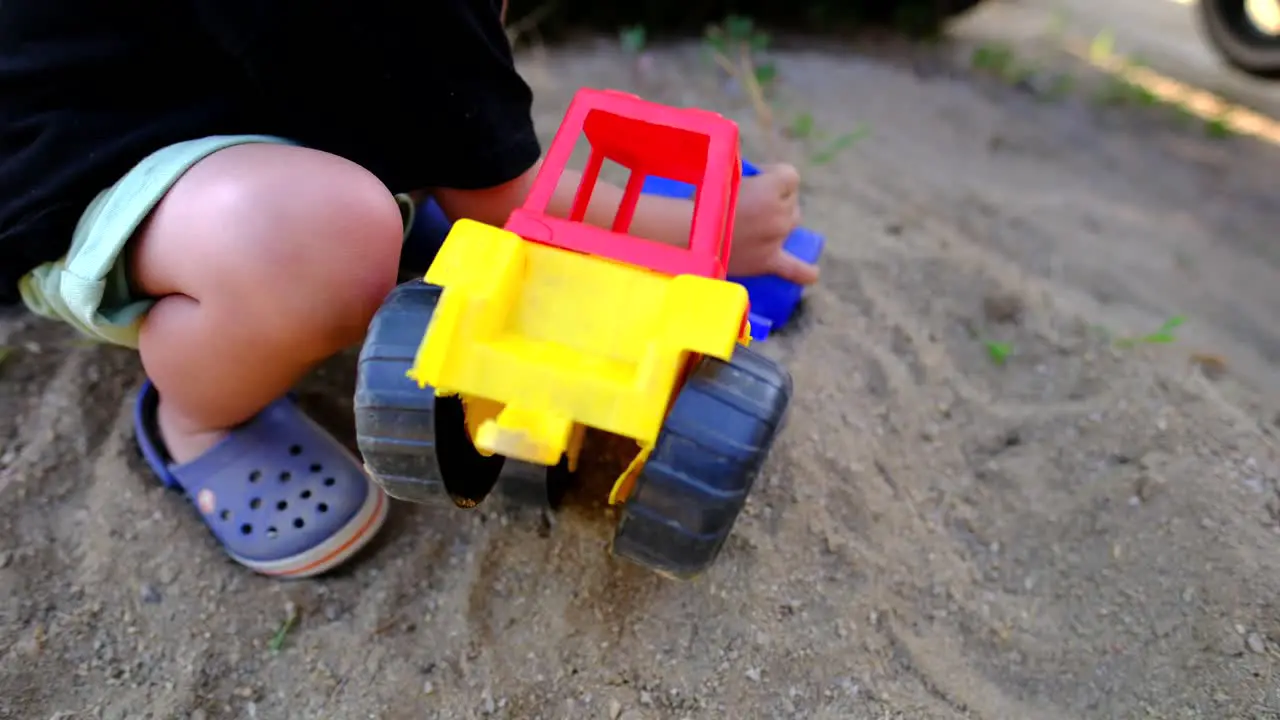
753	674
149	594
615	710
1255	643
1002	307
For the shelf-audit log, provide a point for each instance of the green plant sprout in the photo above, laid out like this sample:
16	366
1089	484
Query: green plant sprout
1163	336
993	57
999	352
633	39
1218	127
282	632
1102	47
829	152
822	148
801	127
738	36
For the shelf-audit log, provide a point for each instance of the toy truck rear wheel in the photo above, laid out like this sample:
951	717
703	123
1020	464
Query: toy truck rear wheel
696	480
415	445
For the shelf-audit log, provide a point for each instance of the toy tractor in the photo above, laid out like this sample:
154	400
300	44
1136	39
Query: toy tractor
522	338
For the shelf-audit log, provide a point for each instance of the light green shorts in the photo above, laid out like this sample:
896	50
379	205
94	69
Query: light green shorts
89	288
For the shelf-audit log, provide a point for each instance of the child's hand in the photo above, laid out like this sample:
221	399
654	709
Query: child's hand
768	210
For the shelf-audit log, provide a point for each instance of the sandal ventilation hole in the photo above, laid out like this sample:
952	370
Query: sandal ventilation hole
329	482
272	533
322	507
316	467
225	514
295	450
246	529
282	505
305	494
299	523
255	503
255	476
285	476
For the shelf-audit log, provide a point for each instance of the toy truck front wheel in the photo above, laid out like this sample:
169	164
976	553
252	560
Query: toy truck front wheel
695	482
415	444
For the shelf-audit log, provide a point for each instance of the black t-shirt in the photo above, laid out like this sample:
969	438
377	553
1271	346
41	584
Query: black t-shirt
423	93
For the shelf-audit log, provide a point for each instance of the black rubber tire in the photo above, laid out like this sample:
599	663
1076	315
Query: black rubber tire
415	445
696	481
1237	40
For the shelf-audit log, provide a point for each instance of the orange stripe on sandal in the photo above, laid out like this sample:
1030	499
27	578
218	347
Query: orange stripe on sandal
364	530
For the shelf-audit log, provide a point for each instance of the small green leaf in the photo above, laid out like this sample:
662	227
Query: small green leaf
765	73
1103	46
760	41
999	352
633	39
277	640
5	352
739	28
1163	336
994	56
801	127
836	146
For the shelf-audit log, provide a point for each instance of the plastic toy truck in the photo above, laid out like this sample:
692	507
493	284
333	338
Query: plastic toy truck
522	338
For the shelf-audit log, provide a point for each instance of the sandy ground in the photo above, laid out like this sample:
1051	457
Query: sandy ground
1162	33
1081	532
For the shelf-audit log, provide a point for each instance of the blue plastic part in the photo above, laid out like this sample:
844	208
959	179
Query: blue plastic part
773	300
425	236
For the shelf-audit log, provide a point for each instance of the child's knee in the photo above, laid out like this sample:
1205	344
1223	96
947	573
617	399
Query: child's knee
304	241
335	251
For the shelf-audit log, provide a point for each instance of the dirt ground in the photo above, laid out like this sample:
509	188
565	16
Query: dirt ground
1082	531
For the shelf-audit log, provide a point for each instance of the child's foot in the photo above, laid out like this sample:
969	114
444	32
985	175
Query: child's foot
180	444
280	494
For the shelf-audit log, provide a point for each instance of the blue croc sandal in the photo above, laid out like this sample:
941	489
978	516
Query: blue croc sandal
280	493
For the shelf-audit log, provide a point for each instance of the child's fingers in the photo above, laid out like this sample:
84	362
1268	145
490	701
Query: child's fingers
787	179
789	267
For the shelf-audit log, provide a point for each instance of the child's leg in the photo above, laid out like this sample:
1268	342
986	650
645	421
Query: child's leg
235	264
266	259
